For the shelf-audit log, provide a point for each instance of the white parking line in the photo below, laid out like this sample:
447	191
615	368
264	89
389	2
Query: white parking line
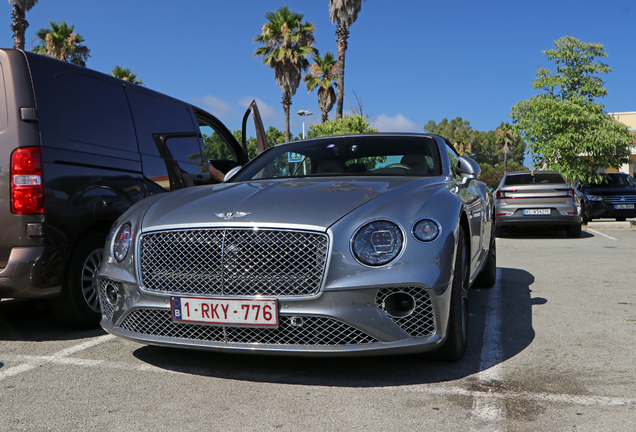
487	410
601	234
35	362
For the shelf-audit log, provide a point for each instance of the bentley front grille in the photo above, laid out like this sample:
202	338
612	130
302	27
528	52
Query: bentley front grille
296	330
421	321
233	262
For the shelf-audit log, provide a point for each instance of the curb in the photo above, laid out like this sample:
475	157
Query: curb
612	224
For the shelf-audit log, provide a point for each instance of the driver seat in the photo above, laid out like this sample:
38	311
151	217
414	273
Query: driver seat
416	161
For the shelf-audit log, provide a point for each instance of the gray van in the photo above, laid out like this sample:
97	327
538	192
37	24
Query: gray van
78	148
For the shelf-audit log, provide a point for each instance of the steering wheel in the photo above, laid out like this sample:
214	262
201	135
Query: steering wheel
399	165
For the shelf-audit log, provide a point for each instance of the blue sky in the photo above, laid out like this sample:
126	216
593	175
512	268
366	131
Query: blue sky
409	61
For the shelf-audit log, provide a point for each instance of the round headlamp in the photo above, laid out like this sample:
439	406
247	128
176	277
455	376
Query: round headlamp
122	241
377	243
426	230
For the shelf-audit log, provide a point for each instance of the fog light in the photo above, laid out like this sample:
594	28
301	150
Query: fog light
399	305
112	294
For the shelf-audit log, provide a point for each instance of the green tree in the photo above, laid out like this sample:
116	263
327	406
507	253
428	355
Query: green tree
287	43
61	43
19	24
506	138
343	13
486	148
564	127
345	125
457	131
322	74
125	74
492	175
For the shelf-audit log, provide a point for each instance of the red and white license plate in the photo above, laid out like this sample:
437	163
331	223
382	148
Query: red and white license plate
233	312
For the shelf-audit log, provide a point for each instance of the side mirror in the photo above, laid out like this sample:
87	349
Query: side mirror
231	173
467	168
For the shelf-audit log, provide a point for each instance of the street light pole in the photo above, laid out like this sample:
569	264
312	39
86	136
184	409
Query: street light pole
304	113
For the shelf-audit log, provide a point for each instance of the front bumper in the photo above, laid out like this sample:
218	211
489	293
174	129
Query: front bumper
342	322
597	210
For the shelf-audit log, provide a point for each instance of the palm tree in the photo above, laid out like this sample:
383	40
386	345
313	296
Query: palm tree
61	43
287	44
322	74
343	13
126	75
19	23
506	139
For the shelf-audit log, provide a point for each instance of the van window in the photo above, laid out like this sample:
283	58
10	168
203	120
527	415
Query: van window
155	117
4	117
102	119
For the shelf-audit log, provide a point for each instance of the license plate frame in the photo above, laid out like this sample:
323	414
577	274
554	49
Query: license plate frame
537	212
224	311
623	206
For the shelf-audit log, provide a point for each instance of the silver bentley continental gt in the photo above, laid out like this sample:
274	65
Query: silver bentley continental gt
344	245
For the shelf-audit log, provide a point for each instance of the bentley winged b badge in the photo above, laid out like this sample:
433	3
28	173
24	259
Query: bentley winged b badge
231	215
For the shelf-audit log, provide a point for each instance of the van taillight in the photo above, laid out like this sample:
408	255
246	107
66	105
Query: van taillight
27	188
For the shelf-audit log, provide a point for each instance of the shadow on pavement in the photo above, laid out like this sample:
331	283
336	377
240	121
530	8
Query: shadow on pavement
32	320
516	334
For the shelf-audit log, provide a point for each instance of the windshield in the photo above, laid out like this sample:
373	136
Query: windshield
534	178
353	155
616	181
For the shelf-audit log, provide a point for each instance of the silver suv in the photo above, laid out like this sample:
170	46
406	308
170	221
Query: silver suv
536	198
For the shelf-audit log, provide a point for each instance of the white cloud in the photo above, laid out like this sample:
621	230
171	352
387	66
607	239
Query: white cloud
267	112
216	106
399	123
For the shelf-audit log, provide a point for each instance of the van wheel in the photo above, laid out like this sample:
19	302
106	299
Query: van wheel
78	303
457	331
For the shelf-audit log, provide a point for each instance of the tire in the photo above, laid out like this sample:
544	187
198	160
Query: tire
498	231
454	347
488	275
78	304
584	218
574	231
621	219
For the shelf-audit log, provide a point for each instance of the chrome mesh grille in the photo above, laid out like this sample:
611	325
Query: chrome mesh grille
318	331
421	322
618	199
233	262
107	309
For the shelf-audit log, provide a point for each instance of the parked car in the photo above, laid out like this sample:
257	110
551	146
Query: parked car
77	149
343	245
614	197
536	199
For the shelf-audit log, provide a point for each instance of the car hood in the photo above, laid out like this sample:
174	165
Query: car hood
608	190
313	202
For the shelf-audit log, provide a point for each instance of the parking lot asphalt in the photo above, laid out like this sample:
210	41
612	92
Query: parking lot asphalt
551	347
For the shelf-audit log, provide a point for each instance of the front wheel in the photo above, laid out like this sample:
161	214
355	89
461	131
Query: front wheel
457	331
78	303
488	275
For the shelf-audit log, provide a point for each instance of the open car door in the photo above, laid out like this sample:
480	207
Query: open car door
261	138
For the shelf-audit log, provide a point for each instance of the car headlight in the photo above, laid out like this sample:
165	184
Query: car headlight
122	241
377	243
594	198
426	230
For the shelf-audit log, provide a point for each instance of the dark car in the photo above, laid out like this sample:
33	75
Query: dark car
77	149
614	197
536	199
